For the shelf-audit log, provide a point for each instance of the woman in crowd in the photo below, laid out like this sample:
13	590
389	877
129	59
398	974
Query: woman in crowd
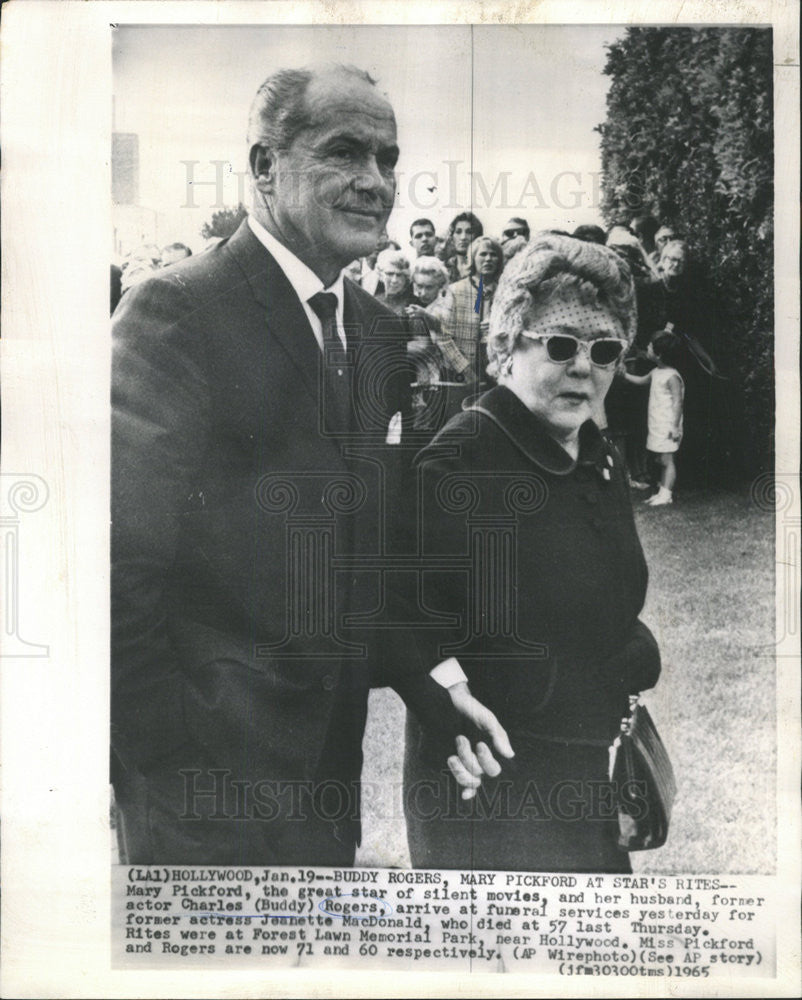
664	235
526	512
429	280
463	310
464	229
394	269
625	404
459	320
689	305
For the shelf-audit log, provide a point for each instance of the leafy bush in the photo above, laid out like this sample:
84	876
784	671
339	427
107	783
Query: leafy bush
689	139
223	223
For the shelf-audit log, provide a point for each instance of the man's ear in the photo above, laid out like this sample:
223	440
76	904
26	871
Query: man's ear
262	162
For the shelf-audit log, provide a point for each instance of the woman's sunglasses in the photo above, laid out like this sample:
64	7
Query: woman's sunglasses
562	348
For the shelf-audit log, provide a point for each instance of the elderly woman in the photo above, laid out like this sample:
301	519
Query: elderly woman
393	267
429	280
527	527
430	397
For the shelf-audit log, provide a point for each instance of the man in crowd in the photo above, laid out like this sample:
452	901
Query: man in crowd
422	238
515	228
258	401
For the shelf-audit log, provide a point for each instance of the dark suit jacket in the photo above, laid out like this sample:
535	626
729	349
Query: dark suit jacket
245	532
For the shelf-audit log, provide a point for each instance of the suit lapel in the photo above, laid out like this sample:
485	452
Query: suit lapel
284	315
287	323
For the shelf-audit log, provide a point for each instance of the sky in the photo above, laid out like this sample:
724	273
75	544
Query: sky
498	119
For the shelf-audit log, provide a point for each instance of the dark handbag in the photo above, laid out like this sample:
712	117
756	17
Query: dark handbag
644	783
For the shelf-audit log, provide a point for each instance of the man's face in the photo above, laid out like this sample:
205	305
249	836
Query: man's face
513	229
334	187
426	287
462	237
422	239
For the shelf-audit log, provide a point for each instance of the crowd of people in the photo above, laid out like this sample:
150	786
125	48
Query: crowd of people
444	283
141	263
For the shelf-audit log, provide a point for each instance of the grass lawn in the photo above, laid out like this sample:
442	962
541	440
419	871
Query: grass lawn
711	607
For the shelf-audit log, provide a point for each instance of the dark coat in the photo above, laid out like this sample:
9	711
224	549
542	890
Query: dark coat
242	501
546	582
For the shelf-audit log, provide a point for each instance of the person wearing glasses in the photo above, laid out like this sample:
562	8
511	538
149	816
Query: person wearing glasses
515	228
527	525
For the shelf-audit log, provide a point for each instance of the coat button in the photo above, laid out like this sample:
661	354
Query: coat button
329	682
591	498
597	522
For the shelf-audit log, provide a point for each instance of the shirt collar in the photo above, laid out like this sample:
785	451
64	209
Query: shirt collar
302	278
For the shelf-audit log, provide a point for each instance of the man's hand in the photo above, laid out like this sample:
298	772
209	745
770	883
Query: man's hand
467	766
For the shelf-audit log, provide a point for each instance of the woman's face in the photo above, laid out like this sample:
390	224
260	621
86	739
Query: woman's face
486	261
426	287
672	262
462	237
563	396
395	280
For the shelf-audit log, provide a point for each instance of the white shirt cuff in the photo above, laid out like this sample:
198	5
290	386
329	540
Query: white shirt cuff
448	673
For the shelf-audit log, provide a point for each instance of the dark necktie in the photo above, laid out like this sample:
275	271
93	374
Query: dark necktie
325	306
336	382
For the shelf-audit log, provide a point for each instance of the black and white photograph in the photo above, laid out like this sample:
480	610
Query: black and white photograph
431	505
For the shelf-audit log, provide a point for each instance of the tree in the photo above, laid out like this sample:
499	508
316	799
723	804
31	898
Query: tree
224	223
689	138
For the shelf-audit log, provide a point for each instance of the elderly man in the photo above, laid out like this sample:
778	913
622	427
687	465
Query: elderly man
258	398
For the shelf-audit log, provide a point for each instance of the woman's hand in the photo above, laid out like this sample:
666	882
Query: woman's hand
469	766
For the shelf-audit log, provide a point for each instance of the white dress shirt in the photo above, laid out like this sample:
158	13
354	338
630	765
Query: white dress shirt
304	281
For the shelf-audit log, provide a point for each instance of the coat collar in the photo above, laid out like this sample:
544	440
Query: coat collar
284	314
530	436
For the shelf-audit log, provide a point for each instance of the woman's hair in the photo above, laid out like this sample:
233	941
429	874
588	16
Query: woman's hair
432	267
476	226
557	267
477	245
390	258
675	245
666	346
